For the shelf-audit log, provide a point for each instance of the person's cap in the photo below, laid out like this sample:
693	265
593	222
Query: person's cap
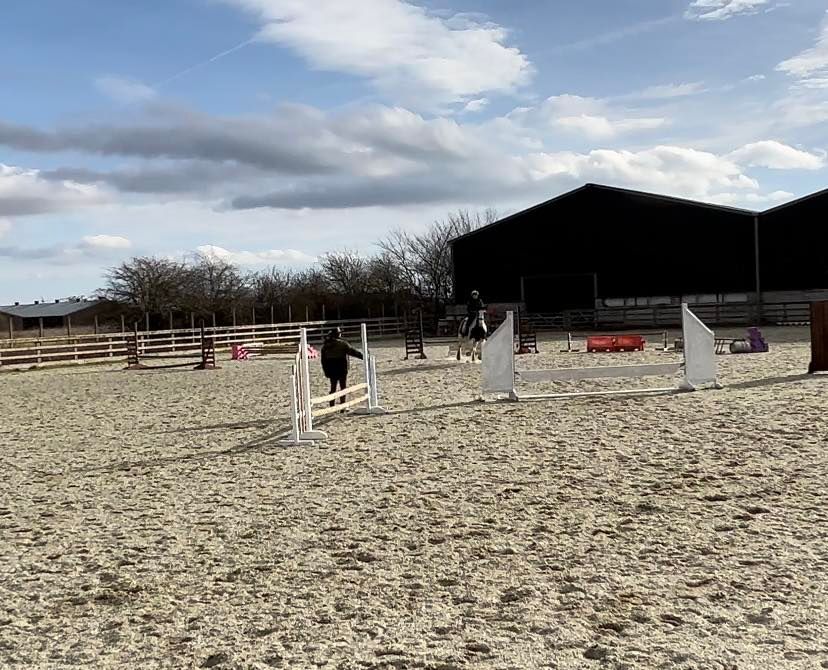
335	332
475	293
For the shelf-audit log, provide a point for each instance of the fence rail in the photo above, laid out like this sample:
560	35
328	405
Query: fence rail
664	316
104	347
109	346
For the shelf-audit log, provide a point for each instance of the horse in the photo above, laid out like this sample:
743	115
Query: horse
474	337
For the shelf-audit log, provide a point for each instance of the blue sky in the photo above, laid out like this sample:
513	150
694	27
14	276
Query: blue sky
273	131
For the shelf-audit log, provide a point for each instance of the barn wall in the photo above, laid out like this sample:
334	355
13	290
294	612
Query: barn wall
793	244
635	245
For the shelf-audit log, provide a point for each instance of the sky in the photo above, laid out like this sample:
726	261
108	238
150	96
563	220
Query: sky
270	132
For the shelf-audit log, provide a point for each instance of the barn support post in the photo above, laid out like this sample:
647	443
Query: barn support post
758	270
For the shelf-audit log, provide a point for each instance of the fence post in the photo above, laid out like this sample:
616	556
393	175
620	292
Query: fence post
96	324
146	320
214	319
272	319
40	328
234	317
323	312
171	320
307	313
253	312
192	321
68	326
123	324
382	323
290	314
11	328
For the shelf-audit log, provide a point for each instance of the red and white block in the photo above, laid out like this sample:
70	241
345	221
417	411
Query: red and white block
312	353
239	353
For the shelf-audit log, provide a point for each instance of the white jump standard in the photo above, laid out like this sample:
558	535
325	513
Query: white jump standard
500	377
302	412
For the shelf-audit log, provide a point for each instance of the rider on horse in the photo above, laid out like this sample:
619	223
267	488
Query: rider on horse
473	309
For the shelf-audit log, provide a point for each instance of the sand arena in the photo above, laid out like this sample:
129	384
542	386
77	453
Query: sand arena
150	519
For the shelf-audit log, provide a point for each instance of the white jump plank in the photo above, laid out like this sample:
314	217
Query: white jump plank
603	372
586	394
317	413
339	394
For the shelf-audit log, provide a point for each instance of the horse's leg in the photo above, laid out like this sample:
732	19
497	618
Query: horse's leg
459	347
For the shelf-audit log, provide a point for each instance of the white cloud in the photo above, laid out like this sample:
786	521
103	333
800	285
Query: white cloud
810	66
105	242
777	156
601	128
478	105
669	170
721	10
756	77
593	118
24	192
405	50
124	90
253	258
5	227
666	91
757	200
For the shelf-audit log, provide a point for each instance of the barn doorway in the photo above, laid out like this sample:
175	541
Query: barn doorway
544	294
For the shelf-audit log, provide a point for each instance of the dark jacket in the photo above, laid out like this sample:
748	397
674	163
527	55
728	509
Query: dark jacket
475	305
334	357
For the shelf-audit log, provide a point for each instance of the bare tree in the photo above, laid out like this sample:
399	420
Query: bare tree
214	285
424	259
146	284
346	272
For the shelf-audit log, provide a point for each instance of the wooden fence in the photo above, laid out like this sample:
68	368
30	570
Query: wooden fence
105	347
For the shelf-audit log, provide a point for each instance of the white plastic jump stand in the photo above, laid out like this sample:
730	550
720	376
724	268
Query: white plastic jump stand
370	369
295	437
500	376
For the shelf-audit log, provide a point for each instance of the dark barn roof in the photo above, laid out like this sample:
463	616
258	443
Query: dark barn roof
49	309
597	188
599	242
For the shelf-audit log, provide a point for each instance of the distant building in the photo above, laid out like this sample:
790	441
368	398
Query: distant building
51	315
604	247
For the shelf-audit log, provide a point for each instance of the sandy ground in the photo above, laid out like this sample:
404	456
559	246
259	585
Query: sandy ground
151	520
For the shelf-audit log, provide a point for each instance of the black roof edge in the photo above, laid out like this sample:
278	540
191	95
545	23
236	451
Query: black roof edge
796	201
616	189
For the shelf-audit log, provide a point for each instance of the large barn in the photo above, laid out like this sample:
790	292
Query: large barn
605	247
